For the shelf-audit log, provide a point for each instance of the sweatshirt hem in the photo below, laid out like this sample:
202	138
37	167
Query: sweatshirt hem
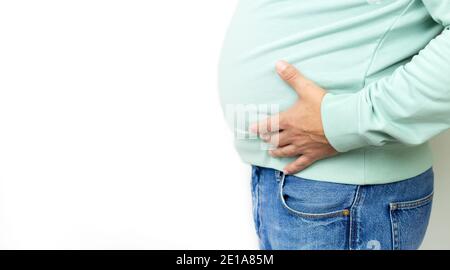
366	166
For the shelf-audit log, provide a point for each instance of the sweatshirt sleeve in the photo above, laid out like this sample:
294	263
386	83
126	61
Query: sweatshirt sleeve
410	106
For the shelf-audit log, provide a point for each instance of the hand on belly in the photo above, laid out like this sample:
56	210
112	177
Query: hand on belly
297	132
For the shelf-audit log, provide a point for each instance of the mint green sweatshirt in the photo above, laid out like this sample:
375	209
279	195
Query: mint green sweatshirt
384	63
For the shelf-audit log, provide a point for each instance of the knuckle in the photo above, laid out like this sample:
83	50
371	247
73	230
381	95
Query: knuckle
300	142
291	152
287	151
290	74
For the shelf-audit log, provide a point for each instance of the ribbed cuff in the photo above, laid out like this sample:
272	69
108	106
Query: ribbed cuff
340	118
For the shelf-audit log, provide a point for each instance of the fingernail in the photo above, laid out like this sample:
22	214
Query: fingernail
282	65
286	172
265	137
254	129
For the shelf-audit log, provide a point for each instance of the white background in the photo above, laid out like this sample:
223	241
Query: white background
111	135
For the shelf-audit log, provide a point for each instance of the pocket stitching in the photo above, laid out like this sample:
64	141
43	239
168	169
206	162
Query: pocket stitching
412	204
303	214
408	205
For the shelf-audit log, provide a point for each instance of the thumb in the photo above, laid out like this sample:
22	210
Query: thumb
293	77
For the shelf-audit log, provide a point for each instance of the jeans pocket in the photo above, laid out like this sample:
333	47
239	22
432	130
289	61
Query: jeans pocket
310	199
409	222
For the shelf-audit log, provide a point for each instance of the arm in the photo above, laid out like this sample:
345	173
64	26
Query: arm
410	106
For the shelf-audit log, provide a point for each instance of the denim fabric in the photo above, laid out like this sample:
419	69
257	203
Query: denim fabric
297	213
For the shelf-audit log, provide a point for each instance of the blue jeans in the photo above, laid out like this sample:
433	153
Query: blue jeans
296	213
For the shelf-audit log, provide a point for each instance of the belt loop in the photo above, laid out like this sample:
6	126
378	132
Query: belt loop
279	175
256	170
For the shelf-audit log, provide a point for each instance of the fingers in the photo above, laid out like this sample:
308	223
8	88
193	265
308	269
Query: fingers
298	165
292	76
271	124
286	151
278	139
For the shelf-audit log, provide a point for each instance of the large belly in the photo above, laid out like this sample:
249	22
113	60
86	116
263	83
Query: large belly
315	43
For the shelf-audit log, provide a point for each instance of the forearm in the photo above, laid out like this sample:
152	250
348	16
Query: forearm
410	106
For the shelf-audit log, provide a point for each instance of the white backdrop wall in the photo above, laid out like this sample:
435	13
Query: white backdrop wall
111	135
